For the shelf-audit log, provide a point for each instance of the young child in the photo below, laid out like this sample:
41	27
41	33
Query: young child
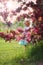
26	34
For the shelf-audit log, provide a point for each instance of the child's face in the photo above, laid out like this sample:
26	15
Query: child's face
27	23
40	19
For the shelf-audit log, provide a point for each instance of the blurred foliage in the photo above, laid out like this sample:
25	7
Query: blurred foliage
35	52
15	25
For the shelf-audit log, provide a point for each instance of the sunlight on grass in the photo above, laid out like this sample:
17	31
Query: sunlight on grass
11	53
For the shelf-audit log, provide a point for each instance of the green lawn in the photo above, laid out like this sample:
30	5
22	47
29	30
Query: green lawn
11	53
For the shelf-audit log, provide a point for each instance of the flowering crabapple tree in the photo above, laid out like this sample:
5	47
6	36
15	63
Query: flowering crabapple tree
11	11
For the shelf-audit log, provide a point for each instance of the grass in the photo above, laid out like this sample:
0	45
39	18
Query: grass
11	53
35	52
